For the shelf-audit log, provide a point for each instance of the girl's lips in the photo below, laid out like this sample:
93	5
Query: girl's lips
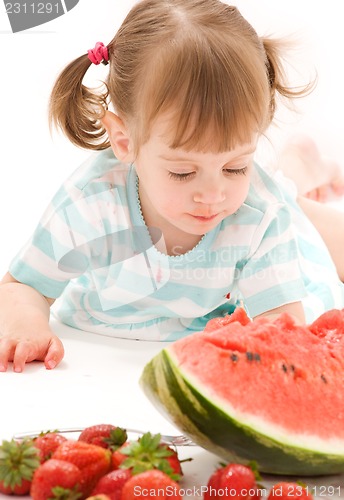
204	218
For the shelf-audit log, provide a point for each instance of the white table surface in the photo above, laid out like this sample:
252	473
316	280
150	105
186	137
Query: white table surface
97	382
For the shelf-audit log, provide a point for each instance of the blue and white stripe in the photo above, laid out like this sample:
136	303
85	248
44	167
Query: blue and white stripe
93	251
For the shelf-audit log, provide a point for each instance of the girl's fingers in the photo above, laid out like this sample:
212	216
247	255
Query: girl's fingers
55	354
7	348
24	352
49	350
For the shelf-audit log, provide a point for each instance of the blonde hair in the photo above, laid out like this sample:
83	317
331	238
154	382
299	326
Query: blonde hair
199	60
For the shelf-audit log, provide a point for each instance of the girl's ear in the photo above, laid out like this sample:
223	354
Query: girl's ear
118	136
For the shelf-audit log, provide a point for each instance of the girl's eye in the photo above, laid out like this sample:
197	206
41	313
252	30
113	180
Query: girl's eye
236	171
180	177
228	171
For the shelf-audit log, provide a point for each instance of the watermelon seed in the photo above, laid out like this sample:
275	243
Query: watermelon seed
323	378
292	367
234	357
284	368
256	356
249	356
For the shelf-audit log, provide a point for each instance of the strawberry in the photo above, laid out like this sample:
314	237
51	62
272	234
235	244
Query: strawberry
286	490
18	489
18	461
151	484
173	459
56	479
92	460
112	483
104	435
232	480
118	457
47	443
99	497
148	452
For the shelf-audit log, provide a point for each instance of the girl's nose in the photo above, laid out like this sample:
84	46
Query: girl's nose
210	193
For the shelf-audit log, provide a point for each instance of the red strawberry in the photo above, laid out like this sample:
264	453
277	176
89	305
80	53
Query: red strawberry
173	459
18	461
286	490
47	443
147	453
151	484
112	483
92	460
19	489
233	480
118	457
99	497
104	435
56	479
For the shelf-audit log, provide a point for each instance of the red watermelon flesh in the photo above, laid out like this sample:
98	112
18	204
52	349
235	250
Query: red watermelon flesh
282	374
238	315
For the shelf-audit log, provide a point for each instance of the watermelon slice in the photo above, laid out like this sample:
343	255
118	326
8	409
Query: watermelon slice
269	391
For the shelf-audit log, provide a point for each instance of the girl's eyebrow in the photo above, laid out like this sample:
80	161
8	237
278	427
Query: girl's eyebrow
176	158
181	158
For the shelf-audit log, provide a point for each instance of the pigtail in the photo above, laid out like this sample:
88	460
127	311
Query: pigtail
76	109
274	50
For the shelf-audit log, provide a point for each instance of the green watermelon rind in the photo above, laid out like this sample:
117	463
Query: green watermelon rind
213	429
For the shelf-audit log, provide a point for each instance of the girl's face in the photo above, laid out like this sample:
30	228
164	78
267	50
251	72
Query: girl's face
190	191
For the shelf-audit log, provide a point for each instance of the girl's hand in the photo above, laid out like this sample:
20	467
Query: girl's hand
25	334
21	349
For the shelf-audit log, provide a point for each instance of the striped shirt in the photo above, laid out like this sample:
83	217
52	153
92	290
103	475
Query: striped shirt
93	251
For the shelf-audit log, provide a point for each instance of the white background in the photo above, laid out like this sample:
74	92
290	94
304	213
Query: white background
33	163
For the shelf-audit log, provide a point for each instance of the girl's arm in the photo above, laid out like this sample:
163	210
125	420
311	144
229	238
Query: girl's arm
295	309
25	334
330	224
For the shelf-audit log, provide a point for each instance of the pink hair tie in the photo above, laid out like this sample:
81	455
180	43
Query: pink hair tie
99	54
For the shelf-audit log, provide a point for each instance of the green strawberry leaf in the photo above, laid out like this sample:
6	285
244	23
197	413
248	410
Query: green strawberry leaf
60	493
44	433
301	483
18	461
117	438
254	466
148	453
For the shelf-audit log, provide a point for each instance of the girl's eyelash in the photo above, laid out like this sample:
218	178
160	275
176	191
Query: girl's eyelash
179	177
236	171
186	175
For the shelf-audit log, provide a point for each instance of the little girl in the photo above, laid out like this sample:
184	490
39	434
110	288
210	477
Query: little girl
172	223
